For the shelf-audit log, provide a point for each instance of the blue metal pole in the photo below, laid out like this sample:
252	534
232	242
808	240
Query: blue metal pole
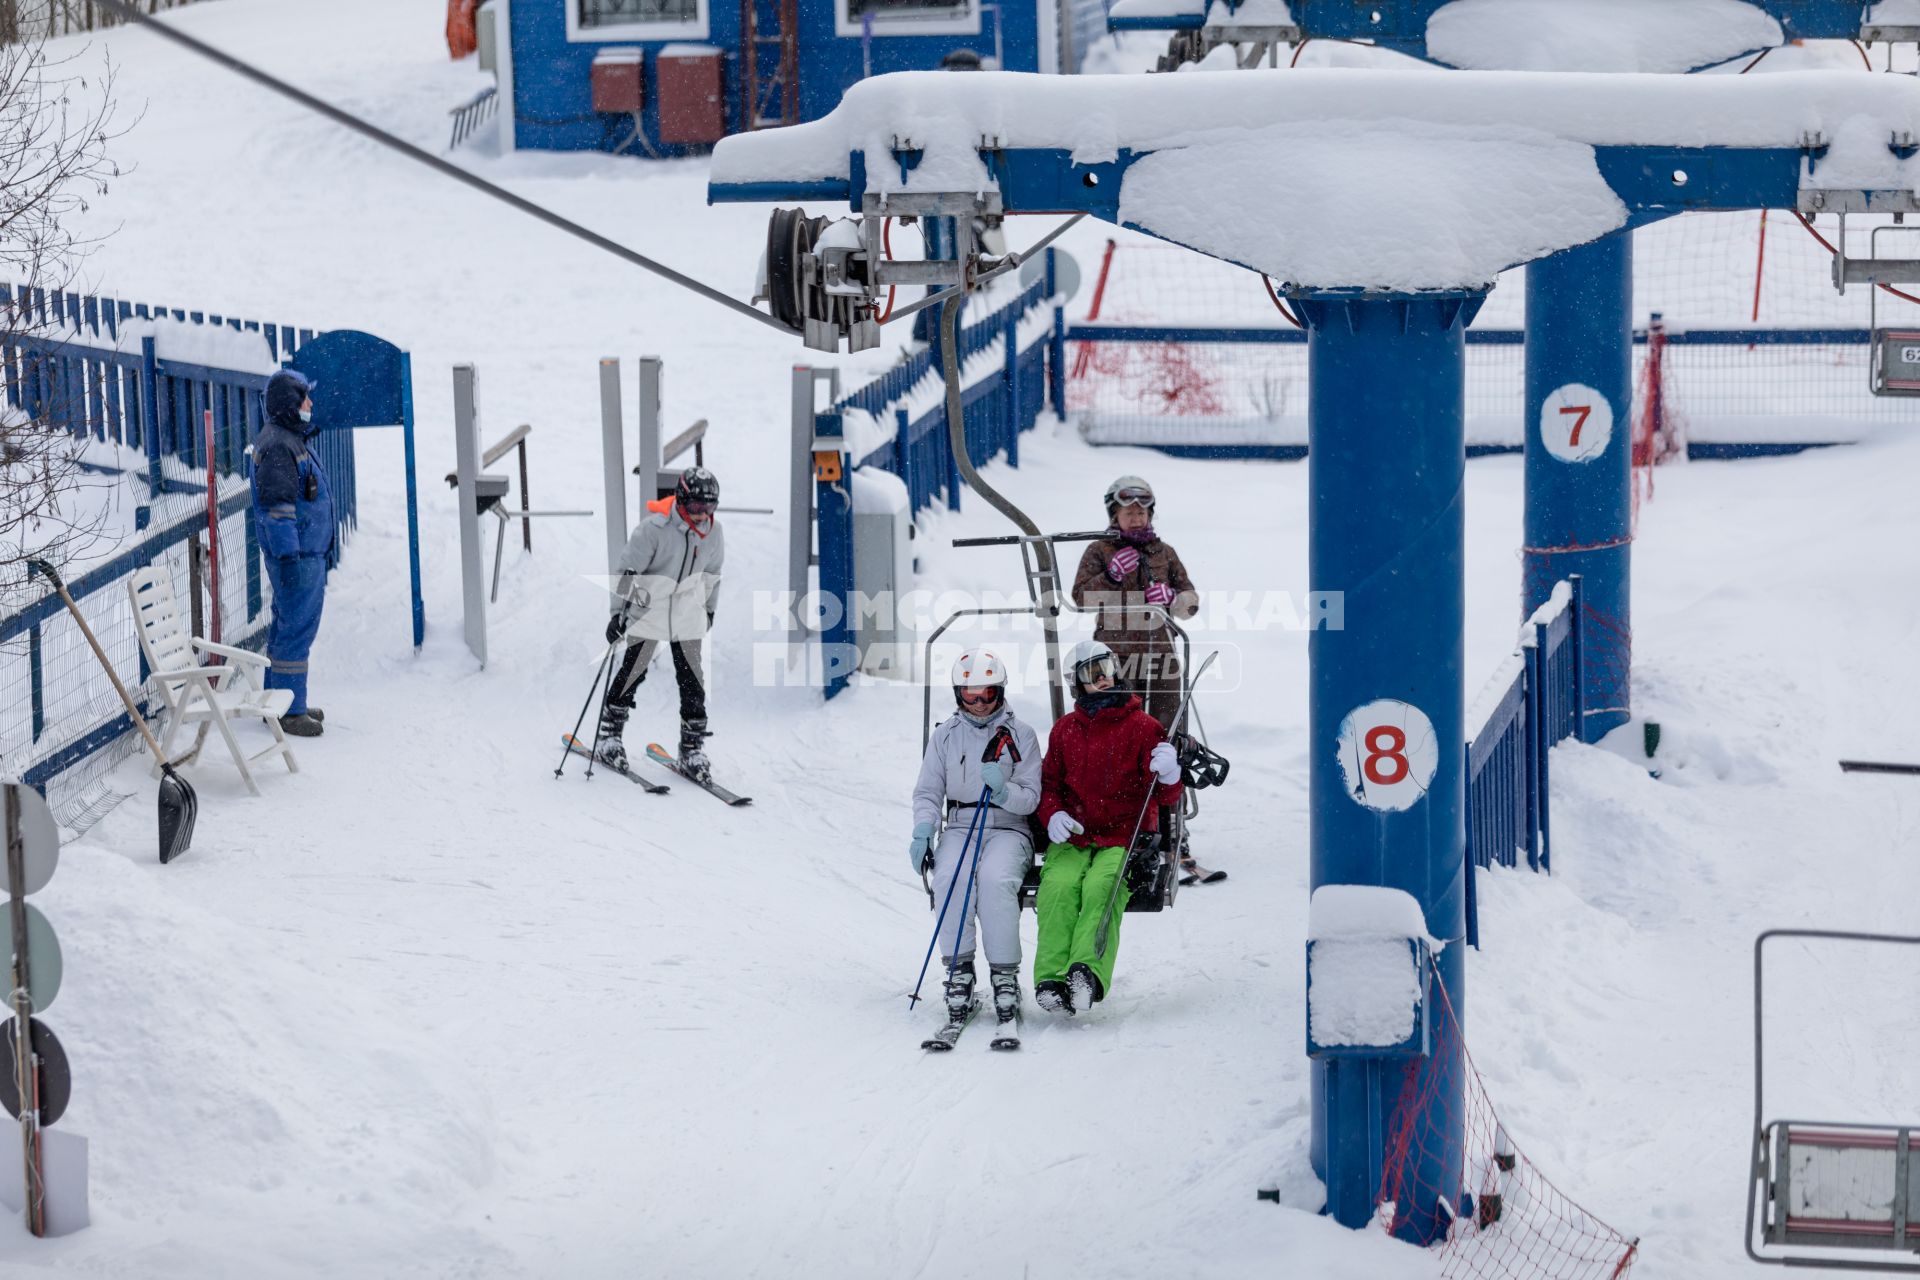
413	501
1579	504
833	504
1386	461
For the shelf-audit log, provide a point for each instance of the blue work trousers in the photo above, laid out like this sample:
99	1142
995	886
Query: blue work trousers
299	590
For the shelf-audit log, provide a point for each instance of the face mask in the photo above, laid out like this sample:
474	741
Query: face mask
306	415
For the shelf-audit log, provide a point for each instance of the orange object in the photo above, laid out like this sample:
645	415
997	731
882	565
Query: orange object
661	506
462	39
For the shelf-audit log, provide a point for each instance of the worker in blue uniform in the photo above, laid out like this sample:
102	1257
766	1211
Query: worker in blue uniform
293	508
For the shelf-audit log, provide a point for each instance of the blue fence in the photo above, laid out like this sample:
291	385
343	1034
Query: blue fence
997	408
63	365
1215	391
997	405
1531	704
82	364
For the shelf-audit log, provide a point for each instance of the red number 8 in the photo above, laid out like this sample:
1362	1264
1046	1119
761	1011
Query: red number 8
1386	742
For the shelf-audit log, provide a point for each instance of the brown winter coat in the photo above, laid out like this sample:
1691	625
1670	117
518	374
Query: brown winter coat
1136	635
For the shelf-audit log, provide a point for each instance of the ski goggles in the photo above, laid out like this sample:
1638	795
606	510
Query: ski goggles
697	507
984	695
1133	498
1098	668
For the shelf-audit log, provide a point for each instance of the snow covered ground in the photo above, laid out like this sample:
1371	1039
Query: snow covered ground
425	1010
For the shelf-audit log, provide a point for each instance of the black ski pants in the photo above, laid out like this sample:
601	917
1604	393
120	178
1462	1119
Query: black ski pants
686	670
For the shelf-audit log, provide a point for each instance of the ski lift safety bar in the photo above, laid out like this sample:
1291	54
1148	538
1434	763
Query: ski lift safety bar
1770	1176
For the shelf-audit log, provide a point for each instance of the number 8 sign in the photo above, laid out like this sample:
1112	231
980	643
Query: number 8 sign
1576	423
1388	754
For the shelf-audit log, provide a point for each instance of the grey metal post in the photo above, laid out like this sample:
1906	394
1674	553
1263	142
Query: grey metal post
800	500
466	444
25	1070
1063	15
613	446
649	463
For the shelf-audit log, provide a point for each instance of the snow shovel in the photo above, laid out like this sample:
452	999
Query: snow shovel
178	805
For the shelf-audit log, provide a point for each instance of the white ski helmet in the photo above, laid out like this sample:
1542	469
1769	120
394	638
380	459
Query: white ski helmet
977	669
1129	491
1084	661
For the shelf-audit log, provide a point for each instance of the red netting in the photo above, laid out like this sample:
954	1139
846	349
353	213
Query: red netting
1507	1219
1659	428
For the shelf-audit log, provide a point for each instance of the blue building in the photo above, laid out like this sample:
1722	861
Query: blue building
671	77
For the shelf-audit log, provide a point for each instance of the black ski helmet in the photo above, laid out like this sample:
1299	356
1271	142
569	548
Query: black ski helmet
697	484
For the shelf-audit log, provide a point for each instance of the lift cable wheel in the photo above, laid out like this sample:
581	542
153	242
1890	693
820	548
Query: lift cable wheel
385	139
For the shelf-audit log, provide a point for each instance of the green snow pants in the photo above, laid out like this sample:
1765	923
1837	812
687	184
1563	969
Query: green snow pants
1074	885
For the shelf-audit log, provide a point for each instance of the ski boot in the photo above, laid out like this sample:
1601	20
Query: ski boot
1053	996
693	760
609	750
1006	991
959	990
1083	988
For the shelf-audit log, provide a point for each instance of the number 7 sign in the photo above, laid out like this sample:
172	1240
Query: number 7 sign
1576	423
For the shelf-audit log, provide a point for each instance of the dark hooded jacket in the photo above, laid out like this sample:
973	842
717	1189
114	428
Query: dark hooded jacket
292	499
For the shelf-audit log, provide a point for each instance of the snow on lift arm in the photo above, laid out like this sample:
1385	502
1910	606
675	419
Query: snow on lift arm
130	13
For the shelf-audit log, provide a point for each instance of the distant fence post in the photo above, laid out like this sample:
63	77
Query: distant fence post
1534	750
1010	381
1577	625
903	450
150	413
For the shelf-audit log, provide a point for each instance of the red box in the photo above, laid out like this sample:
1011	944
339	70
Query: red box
693	105
619	80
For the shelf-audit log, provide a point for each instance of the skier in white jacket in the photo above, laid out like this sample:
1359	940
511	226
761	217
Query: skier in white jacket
953	777
669	583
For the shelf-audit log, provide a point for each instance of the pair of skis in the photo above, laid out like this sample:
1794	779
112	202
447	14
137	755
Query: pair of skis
657	754
943	1040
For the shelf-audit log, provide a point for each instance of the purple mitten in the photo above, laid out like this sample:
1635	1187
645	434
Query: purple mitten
1159	593
1124	562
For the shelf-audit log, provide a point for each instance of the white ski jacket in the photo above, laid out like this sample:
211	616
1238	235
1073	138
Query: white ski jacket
676	577
951	771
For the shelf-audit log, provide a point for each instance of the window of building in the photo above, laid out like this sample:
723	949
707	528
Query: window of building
636	19
910	17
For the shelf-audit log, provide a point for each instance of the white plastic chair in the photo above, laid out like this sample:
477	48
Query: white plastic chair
203	695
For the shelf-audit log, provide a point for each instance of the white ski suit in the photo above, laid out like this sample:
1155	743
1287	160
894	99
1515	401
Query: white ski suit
950	787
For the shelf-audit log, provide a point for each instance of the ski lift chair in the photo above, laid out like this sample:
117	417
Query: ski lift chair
1835	1187
1153	865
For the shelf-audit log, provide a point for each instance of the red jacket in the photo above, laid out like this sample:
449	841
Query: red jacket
1096	769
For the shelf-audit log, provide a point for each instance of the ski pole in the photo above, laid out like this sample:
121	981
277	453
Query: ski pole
1113	899
978	824
575	735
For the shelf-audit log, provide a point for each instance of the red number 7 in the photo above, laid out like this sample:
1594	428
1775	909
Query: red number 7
1583	410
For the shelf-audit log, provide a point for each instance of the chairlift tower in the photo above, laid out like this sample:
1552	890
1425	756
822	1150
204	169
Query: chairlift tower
1166	155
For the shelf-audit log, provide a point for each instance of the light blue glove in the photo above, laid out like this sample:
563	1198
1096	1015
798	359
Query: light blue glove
921	851
995	776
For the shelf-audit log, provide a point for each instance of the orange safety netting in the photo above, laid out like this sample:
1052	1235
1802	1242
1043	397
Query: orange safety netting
1507	1220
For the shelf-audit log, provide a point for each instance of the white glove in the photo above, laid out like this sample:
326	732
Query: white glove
1061	825
1165	763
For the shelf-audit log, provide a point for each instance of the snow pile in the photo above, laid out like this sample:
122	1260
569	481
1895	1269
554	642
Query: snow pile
1903	13
1331	205
1154	8
1597	35
1251	13
212	346
1364	986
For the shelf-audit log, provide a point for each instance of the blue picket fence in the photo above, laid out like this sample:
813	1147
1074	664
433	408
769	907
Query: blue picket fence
138	400
996	408
996	405
1532	704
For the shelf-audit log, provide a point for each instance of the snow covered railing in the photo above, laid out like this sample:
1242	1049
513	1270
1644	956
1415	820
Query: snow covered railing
1530	704
898	422
1240	391
61	725
143	377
